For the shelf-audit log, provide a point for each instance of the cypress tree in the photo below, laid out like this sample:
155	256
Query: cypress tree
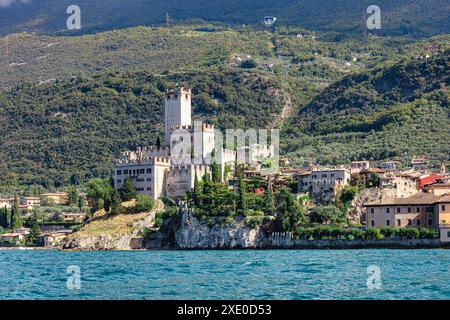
80	203
4	218
242	196
16	222
35	231
197	192
158	143
128	191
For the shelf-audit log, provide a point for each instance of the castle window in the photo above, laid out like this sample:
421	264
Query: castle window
418	222
388	222
372	223
443	207
142	171
388	210
399	223
418	209
149	170
372	210
409	222
409	210
119	181
398	210
119	172
125	171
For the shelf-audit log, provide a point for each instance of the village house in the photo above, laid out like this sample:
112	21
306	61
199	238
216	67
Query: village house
357	166
391	165
23	231
419	210
12	238
438	189
367	174
50	239
322	185
73	217
30	201
419	164
6	202
403	184
60	198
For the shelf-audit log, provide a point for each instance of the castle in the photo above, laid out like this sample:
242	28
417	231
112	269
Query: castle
170	170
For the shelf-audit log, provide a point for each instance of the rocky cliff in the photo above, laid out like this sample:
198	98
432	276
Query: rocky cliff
194	234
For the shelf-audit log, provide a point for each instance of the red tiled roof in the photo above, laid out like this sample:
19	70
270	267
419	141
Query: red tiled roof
417	199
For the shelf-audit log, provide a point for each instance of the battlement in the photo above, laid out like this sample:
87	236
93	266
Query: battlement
204	127
181	127
133	160
175	94
187	169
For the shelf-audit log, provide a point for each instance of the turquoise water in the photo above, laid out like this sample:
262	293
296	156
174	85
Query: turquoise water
269	274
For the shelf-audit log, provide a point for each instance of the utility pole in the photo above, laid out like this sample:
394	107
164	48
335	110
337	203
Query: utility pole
167	20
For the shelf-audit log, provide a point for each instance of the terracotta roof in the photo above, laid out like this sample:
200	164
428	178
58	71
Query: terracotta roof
11	235
417	199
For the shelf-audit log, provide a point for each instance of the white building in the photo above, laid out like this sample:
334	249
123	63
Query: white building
322	185
188	150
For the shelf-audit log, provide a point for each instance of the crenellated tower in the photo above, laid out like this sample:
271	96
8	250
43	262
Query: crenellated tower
177	110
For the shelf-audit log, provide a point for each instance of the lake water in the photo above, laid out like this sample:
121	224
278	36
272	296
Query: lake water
265	274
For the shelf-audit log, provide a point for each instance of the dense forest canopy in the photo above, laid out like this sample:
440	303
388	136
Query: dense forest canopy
399	17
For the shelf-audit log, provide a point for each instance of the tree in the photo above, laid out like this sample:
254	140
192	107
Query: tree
128	191
100	192
73	196
327	215
242	196
289	210
16	221
197	192
4	218
81	203
115	202
34	230
158	143
215	169
144	203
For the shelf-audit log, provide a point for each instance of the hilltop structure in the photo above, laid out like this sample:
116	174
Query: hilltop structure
189	150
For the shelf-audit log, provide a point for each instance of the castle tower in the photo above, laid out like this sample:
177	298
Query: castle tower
177	110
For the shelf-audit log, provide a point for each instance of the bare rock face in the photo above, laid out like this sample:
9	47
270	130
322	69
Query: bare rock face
103	242
193	234
356	212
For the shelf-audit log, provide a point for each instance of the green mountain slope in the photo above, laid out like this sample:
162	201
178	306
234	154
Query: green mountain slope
54	134
422	18
392	112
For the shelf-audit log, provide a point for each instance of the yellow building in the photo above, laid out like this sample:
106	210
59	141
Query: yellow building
419	210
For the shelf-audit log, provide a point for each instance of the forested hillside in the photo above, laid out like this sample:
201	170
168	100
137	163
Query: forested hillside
56	134
391	112
69	105
415	17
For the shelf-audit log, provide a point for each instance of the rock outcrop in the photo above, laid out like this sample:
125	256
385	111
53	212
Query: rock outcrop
194	234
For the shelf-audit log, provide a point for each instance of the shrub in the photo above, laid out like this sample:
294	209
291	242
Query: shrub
170	212
388	232
249	64
144	203
373	233
412	233
159	219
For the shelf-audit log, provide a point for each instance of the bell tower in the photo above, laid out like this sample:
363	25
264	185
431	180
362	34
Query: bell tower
177	110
